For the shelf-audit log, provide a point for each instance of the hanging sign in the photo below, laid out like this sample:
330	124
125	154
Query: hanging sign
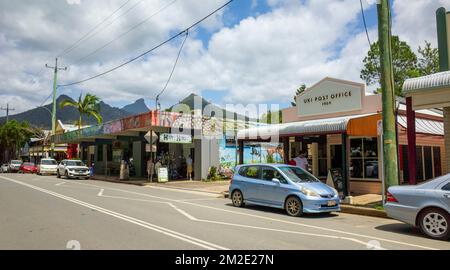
175	138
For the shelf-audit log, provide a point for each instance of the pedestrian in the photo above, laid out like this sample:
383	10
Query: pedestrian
150	168
157	167
301	161
189	164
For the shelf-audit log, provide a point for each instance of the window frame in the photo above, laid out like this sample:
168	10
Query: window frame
259	177
363	158
446	187
282	178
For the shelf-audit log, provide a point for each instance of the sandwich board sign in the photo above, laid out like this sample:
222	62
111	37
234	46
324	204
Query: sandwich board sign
163	175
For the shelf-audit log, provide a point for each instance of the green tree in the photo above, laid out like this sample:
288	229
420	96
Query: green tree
89	105
299	90
404	60
13	136
428	62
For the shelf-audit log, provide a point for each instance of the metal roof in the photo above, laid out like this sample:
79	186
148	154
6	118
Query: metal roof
424	125
436	80
330	125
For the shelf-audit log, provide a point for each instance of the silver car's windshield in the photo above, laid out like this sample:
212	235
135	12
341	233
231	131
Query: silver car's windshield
48	162
75	163
16	162
298	175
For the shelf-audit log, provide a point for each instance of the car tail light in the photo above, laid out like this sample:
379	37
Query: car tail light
390	197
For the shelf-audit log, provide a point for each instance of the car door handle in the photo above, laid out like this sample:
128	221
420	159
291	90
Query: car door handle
447	196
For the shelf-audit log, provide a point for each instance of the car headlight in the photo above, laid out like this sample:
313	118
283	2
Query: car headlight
309	192
335	191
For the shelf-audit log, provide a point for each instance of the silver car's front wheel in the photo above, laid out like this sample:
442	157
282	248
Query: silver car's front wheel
294	207
434	223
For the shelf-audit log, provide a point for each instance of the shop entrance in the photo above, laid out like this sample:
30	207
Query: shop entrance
336	156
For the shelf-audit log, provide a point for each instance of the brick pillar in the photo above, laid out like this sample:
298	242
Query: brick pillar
447	139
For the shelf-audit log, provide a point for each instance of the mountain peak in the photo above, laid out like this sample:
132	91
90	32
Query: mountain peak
137	107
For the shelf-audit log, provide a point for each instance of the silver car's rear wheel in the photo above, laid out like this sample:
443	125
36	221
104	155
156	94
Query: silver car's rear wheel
435	224
237	198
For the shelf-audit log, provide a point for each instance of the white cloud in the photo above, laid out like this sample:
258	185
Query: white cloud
73	2
261	59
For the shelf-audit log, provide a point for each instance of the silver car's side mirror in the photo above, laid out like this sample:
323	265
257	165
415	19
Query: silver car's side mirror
277	181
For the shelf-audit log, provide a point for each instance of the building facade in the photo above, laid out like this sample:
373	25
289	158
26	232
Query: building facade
337	125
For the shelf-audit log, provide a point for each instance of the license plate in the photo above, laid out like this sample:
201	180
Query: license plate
331	203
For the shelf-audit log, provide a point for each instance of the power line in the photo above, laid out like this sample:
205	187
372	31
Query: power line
79	41
171	72
364	20
152	49
123	34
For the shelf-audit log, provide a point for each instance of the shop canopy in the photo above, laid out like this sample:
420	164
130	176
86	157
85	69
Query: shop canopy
429	91
424	126
310	127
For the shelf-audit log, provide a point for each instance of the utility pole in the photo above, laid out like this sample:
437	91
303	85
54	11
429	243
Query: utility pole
55	68
7	109
389	141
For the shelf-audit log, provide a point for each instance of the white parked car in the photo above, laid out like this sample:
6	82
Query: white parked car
14	165
4	168
47	166
72	169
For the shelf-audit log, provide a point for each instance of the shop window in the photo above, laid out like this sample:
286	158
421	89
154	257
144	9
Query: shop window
437	161
428	162
404	150
364	158
419	163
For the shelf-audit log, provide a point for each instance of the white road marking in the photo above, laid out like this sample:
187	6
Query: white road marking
101	192
190	217
165	231
59	184
272	219
186	191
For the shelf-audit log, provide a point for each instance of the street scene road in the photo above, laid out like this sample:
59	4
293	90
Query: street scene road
44	212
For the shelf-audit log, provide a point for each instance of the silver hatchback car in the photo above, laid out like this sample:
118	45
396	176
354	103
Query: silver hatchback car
426	206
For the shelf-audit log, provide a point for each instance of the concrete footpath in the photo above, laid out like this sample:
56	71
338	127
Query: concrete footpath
221	189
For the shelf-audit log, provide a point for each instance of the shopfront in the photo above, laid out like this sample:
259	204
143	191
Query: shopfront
171	139
335	125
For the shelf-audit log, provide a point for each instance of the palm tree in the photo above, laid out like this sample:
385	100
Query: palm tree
89	105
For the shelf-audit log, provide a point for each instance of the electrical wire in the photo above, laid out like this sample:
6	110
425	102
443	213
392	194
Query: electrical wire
86	36
364	20
173	69
150	50
123	34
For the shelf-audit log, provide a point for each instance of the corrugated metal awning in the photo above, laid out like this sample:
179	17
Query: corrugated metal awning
436	80
319	126
424	125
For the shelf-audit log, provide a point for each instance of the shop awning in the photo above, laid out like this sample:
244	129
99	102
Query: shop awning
311	127
424	126
433	81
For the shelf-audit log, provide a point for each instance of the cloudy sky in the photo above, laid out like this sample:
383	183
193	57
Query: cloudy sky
254	51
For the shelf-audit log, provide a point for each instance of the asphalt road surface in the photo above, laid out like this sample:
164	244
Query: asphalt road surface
44	212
